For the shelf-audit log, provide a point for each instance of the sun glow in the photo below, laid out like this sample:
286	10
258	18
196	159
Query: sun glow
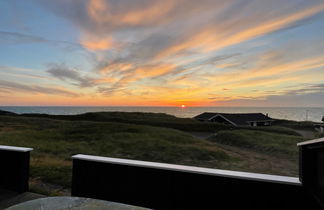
183	106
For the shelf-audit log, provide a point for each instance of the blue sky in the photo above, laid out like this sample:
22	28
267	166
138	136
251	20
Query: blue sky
162	53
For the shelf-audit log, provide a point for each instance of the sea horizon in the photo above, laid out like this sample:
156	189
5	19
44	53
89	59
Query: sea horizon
158	106
314	114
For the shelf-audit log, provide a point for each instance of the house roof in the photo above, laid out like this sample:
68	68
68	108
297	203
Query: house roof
205	116
235	118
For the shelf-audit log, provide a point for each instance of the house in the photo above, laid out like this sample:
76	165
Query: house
236	119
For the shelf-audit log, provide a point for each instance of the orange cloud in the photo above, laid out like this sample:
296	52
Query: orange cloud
97	9
154	70
116	67
103	16
279	69
215	37
105	80
101	12
270	26
124	74
264	82
97	43
153	12
170	53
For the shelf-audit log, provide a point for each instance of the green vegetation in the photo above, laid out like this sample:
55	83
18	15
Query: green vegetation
304	125
320	135
272	143
147	136
54	141
275	129
140	118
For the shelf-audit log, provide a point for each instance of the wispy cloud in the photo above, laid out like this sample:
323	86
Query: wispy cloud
21	72
186	50
12	87
61	71
233	31
166	27
309	95
14	38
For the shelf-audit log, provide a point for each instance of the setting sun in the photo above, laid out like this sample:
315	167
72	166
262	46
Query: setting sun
183	106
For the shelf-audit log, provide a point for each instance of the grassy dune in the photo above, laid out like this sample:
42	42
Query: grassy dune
274	129
55	141
145	136
140	118
303	125
261	141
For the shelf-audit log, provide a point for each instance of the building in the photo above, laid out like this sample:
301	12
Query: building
236	119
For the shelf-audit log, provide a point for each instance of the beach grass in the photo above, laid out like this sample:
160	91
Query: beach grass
55	141
262	141
141	118
274	129
144	136
304	125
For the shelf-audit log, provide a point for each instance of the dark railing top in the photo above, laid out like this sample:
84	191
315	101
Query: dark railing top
314	141
192	169
15	149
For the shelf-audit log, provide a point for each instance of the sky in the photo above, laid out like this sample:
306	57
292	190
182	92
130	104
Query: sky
162	53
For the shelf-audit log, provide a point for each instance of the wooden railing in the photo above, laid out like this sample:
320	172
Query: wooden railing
169	186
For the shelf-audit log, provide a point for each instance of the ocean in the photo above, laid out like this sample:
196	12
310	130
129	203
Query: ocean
289	113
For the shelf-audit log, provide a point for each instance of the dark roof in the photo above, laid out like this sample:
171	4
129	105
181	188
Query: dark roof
205	116
244	118
236	118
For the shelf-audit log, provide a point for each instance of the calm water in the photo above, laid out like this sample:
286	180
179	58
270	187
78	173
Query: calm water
290	113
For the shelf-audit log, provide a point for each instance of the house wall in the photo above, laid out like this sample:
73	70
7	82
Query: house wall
265	123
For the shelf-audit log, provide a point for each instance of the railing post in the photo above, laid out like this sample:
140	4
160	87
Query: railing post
311	168
14	164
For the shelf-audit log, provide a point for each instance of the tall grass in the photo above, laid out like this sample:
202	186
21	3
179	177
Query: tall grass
305	125
141	136
55	141
274	129
140	118
260	141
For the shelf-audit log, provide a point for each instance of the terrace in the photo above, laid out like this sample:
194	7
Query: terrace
170	186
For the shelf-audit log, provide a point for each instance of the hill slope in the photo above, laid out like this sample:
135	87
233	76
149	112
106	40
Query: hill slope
55	141
144	136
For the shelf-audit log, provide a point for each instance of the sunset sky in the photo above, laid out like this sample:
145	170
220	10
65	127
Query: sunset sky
162	52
